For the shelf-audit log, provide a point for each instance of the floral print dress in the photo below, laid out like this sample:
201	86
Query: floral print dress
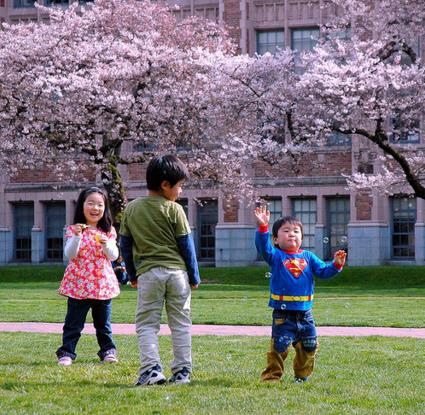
90	275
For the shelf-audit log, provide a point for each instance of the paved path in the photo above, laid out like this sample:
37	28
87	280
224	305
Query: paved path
201	329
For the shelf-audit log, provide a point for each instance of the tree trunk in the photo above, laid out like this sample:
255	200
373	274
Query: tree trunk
112	181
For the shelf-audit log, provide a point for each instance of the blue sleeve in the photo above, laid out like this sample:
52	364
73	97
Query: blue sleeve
264	246
187	251
126	246
321	269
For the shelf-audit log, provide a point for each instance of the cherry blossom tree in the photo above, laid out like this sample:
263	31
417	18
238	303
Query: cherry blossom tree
367	79
113	84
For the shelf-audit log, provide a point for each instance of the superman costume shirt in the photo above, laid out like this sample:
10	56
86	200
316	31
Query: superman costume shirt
292	279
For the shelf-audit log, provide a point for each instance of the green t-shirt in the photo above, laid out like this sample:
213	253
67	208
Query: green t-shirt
154	223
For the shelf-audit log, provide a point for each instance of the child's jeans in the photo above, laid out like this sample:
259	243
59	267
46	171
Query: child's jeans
296	328
74	324
156	287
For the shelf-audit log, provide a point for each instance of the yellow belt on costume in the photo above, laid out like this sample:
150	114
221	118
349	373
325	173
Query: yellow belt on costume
291	297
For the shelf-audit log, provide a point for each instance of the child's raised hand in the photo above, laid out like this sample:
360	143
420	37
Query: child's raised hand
262	214
340	257
77	229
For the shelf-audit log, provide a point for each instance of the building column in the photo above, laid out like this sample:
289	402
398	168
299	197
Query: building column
37	234
319	229
420	232
6	245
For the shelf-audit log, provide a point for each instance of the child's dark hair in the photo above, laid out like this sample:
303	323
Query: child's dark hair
105	222
165	168
286	219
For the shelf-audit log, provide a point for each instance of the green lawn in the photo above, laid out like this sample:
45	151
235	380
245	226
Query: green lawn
374	296
364	375
352	376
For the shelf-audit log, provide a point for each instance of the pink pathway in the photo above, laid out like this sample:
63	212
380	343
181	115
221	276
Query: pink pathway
201	329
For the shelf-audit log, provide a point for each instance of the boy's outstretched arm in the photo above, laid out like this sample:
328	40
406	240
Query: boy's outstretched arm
126	246
188	253
262	236
326	270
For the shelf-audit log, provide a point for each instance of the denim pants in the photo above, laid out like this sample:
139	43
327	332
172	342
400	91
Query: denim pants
296	328
74	324
157	287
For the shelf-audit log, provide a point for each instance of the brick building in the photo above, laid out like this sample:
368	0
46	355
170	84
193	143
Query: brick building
375	229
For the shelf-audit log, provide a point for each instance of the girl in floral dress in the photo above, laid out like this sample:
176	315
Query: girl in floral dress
89	281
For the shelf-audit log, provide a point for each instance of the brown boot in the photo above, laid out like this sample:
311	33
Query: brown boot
303	362
274	369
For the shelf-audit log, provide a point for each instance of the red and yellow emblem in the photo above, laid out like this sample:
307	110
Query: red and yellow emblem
295	266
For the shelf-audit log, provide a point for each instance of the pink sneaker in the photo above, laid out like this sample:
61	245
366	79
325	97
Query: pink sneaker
65	361
110	357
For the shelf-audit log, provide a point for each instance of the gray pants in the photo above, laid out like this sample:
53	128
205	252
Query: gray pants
156	287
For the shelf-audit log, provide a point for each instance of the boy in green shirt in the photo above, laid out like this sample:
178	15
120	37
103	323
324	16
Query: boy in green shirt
160	257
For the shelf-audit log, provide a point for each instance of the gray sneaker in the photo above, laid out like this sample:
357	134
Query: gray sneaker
180	377
152	376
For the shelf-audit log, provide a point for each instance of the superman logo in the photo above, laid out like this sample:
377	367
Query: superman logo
295	266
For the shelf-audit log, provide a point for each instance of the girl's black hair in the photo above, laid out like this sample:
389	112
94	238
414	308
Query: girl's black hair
286	219
165	168
105	222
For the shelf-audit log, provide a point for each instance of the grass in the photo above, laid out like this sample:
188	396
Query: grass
373	296
364	375
352	376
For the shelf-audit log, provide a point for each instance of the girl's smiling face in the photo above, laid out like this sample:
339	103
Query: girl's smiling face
93	208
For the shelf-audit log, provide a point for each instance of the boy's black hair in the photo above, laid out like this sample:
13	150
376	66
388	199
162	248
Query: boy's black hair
286	219
165	168
105	222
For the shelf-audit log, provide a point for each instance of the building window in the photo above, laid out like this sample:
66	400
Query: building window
55	222
17	4
56	2
270	41
403	227
274	204
338	216
23	217
403	133
405	59
338	139
207	221
306	211
303	40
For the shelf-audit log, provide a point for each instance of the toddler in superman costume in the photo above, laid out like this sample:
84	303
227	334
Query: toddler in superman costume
291	293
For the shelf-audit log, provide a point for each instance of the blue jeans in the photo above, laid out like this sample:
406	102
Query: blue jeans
296	328
290	327
74	324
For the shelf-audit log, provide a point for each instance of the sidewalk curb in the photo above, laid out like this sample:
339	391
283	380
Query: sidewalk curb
221	330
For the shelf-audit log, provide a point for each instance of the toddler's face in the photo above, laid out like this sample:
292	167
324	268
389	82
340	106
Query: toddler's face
289	237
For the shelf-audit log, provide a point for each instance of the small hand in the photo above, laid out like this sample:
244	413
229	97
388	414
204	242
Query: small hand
194	286
262	214
133	284
77	229
339	257
101	239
